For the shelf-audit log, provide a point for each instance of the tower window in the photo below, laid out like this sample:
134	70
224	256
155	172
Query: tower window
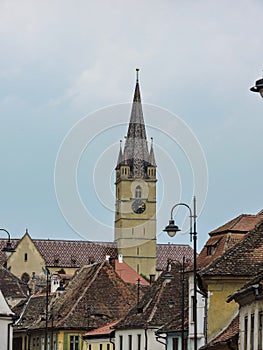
138	192
25	257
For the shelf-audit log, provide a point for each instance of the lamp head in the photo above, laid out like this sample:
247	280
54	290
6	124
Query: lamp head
171	229
8	249
258	87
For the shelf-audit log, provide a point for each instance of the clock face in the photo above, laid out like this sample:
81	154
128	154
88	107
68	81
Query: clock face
138	206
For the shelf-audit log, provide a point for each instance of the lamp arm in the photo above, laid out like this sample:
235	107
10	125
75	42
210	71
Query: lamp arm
191	214
2	229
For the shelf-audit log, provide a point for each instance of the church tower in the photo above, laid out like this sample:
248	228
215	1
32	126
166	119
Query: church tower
135	213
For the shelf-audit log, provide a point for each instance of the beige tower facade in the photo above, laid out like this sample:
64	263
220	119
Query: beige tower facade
135	213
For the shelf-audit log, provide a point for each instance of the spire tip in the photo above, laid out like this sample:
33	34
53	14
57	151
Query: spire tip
137	74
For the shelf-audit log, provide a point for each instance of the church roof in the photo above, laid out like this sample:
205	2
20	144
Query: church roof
70	253
136	153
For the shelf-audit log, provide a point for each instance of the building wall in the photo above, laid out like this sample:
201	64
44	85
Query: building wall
201	316
99	344
220	312
6	331
251	326
148	339
26	258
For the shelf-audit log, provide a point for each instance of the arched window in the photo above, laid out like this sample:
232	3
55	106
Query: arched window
138	192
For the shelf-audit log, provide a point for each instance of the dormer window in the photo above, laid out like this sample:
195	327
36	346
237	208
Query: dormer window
211	248
138	192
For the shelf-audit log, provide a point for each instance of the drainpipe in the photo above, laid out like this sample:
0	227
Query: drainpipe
146	337
113	343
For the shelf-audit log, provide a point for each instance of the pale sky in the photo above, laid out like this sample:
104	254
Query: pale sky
62	61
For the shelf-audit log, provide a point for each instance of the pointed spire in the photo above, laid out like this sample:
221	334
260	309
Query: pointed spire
136	150
120	155
151	157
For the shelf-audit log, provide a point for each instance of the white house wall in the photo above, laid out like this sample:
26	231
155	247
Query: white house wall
201	314
152	343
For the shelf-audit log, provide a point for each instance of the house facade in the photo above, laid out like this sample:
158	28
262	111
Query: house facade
250	301
214	313
6	324
226	274
157	307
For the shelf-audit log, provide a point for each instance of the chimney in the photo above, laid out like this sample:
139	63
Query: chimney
152	279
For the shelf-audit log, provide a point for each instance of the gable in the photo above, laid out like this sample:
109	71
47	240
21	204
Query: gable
26	259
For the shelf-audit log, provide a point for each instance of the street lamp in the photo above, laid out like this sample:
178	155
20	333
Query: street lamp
8	249
172	229
258	87
46	313
168	276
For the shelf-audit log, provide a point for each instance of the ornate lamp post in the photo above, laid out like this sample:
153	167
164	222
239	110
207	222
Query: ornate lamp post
172	229
258	87
8	249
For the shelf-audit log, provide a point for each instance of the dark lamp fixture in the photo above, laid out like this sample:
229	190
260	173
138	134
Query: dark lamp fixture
168	276
8	249
171	229
258	87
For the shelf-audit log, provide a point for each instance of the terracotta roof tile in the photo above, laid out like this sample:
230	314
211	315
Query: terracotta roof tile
243	259
226	236
102	331
159	305
226	336
29	311
84	306
242	223
128	274
11	286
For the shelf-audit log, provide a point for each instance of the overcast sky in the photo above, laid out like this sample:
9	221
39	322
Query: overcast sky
67	72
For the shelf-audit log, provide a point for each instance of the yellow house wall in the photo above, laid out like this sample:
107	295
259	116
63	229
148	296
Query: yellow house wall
17	262
220	312
96	345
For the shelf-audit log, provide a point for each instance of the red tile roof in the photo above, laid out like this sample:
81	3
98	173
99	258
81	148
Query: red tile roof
102	331
243	259
226	236
128	274
242	224
227	336
159	305
94	297
11	286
